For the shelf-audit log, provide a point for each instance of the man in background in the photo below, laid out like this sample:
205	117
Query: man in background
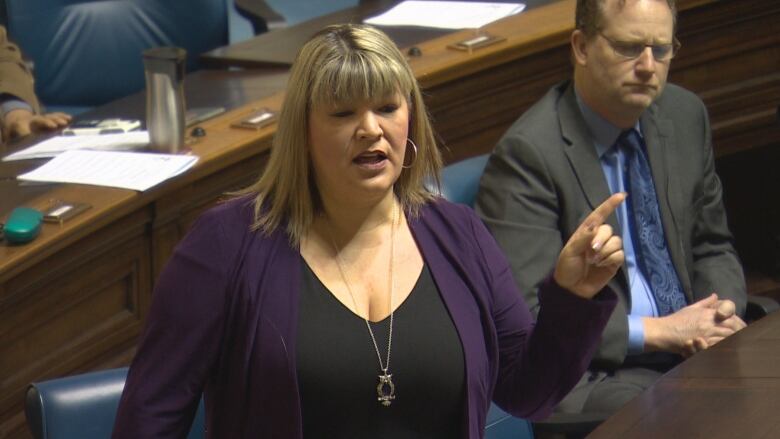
618	127
19	107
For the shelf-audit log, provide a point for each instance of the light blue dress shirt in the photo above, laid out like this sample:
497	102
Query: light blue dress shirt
613	163
9	103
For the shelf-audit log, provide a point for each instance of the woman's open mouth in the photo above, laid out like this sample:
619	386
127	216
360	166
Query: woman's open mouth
371	159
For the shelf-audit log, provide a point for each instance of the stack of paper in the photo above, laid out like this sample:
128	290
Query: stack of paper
128	170
56	145
445	14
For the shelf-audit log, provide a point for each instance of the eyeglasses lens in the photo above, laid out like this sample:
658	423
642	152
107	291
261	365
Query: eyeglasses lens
661	52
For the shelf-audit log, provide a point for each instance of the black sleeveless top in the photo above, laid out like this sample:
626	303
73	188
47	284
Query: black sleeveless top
338	367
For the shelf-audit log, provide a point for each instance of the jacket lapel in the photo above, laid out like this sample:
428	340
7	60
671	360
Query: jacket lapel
581	152
582	156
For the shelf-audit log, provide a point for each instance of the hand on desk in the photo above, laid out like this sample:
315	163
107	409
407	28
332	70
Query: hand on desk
21	122
693	328
593	254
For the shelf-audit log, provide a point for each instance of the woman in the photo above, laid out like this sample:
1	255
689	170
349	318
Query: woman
338	297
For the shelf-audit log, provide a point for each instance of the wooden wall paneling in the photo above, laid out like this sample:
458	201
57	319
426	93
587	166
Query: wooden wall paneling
731	58
470	118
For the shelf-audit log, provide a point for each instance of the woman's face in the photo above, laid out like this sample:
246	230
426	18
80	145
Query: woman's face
357	148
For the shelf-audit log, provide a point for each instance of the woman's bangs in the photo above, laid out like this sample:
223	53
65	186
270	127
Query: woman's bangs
358	77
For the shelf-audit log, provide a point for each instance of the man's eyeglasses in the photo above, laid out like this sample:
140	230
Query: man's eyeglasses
629	50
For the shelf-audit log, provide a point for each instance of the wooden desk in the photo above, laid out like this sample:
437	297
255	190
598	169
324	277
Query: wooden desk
75	299
731	390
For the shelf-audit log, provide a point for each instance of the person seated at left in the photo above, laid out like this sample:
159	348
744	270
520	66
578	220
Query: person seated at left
20	112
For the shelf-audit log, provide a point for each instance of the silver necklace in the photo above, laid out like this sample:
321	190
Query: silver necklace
385	389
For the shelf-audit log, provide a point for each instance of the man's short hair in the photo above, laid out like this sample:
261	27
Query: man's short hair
589	15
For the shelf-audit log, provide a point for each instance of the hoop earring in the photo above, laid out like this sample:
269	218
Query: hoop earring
414	148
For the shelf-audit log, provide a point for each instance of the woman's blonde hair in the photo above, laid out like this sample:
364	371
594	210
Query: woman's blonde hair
341	63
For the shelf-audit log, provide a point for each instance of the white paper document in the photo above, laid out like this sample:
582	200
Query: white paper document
445	14
105	142
128	170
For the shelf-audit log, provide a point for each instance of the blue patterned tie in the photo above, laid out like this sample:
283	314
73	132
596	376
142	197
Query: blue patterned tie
652	254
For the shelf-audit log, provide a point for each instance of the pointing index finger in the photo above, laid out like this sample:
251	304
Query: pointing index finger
604	210
581	240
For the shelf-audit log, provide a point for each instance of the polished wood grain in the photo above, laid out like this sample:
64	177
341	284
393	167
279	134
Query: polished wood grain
731	390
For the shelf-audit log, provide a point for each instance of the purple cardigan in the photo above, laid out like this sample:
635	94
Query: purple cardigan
224	317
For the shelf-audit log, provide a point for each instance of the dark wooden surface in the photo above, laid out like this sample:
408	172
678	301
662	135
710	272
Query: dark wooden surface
75	298
729	391
281	46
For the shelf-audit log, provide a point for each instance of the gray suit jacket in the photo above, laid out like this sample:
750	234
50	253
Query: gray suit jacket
544	177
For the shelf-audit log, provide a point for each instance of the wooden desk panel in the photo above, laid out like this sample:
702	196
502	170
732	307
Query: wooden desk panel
74	309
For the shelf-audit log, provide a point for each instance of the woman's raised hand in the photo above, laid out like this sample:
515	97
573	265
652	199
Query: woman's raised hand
593	254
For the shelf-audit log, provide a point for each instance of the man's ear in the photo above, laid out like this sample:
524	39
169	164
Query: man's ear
579	47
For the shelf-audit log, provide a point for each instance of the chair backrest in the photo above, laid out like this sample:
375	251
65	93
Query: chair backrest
460	181
82	406
88	52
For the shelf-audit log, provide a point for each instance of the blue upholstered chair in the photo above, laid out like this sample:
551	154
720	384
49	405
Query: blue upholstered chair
82	406
88	52
460	181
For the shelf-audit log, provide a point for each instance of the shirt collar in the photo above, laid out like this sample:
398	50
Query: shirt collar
604	133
